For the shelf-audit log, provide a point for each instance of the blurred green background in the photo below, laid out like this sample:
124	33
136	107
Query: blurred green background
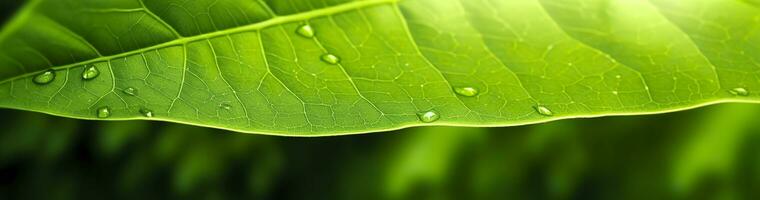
706	153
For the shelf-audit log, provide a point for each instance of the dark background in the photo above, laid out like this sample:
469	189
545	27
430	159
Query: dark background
7	8
708	153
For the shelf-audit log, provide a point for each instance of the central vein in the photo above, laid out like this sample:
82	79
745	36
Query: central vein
257	26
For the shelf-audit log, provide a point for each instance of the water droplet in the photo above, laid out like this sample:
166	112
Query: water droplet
130	91
90	72
330	59
739	91
543	110
146	112
305	31
44	77
615	92
429	116
466	91
225	106
104	112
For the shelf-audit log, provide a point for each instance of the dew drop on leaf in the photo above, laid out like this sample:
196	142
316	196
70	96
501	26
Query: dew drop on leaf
543	110
44	77
104	112
130	91
466	91
146	112
90	72
330	59
429	116
225	106
739	91
305	31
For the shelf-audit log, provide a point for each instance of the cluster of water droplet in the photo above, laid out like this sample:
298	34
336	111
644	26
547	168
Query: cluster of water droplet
90	72
427	116
307	31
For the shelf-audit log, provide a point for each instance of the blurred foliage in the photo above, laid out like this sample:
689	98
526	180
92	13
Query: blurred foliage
707	153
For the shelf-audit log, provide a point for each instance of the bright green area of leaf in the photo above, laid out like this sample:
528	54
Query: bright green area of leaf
242	65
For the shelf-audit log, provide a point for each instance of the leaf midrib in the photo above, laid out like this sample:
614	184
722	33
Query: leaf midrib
276	20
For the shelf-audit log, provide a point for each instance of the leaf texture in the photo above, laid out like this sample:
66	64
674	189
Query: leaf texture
242	64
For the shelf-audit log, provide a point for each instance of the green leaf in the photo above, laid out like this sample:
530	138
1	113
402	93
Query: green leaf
328	67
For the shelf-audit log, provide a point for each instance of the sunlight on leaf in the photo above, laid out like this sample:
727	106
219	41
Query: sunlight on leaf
315	68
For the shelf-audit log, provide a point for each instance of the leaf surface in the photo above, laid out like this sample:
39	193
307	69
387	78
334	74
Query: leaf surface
376	65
